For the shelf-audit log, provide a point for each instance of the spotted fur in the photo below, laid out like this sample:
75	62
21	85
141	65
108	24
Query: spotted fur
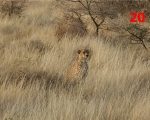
79	69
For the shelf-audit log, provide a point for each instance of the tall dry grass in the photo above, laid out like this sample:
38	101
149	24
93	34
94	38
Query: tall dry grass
33	63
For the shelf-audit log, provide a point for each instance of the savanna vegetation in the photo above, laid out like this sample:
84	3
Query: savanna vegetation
39	41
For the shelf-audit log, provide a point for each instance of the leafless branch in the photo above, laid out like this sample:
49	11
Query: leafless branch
140	39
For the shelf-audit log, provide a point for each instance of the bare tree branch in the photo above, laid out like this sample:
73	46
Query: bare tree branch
140	39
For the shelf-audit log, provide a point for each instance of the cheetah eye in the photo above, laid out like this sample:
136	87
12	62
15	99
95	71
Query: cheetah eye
83	52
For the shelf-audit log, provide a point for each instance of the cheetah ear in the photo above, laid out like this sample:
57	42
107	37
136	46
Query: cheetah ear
79	51
88	51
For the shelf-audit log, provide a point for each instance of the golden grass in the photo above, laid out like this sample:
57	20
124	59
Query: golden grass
33	64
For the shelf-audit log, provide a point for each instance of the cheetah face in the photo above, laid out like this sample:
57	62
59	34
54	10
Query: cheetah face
83	53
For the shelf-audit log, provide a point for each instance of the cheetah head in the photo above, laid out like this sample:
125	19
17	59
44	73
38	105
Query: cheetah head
84	54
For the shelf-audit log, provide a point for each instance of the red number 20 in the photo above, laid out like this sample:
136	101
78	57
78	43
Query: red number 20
140	16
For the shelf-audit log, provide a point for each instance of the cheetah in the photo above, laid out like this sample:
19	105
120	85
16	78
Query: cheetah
79	69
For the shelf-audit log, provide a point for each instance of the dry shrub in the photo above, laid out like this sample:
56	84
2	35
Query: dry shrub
70	26
10	7
38	46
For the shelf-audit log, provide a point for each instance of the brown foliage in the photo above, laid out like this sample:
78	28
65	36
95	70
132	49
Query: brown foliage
10	7
70	26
